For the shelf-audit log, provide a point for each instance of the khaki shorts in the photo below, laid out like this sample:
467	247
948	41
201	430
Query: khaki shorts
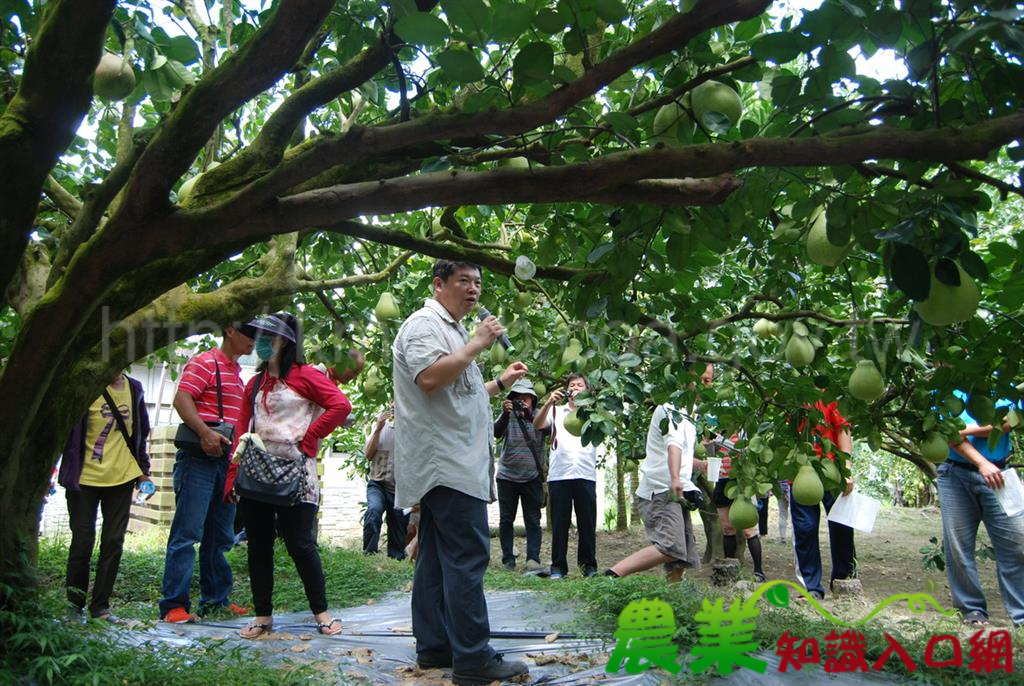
669	529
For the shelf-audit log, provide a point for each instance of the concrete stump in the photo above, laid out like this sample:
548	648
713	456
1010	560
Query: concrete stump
725	571
849	587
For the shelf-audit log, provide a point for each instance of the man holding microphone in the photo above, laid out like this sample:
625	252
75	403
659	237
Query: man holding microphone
443	437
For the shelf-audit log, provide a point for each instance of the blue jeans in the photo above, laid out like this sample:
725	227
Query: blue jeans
966	502
380	504
449	610
808	553
200	516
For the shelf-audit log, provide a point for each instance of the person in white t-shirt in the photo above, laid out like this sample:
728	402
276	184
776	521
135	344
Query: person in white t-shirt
572	483
666	495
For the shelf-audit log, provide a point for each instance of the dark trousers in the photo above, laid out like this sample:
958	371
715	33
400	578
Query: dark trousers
449	611
805	541
380	504
567	495
295	524
116	504
509	495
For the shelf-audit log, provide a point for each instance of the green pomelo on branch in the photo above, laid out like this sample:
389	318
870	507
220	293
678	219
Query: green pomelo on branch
540	389
386	307
934	448
765	328
807	487
114	78
712	101
498	354
672	125
947	304
866	381
799	351
524	299
185	190
742	514
516	163
573	423
820	249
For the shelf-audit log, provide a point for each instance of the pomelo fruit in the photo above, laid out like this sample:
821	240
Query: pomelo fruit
742	514
807	487
799	351
185	191
713	100
820	249
573	424
524	299
866	382
386	307
934	448
540	389
946	304
672	125
765	328
113	79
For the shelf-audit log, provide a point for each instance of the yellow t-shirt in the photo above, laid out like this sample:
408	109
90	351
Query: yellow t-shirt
107	460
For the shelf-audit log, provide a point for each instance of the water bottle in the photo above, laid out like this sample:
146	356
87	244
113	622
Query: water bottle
146	489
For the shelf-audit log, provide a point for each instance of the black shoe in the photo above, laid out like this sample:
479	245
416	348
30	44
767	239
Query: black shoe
589	572
510	566
495	669
610	572
432	661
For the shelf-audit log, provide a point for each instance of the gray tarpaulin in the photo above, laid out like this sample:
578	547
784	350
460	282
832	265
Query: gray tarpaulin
377	646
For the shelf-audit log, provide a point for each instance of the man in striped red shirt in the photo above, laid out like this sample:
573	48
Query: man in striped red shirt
201	515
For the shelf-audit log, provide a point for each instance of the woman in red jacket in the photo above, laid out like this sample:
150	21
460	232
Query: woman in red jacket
291	406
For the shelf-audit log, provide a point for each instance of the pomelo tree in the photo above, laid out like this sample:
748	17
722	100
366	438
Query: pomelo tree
356	140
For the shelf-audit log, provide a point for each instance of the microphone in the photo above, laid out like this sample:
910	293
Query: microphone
482	314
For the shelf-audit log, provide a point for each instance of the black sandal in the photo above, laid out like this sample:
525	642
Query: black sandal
324	628
260	628
975	618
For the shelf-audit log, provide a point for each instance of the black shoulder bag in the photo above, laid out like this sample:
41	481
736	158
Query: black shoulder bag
536	450
187	439
265	477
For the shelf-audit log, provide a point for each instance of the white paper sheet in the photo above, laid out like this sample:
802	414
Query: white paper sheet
856	511
1011	495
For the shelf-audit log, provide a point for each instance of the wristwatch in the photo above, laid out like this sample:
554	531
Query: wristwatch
501	386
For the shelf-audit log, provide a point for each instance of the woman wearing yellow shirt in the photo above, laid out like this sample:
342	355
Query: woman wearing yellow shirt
104	461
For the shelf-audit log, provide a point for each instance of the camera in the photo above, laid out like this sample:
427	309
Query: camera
518	406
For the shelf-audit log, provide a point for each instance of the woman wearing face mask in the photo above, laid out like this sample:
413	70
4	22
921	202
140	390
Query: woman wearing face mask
291	406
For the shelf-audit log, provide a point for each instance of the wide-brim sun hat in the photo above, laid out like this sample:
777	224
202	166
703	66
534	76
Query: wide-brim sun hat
523	387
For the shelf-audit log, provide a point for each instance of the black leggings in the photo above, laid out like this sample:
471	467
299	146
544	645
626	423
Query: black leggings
296	525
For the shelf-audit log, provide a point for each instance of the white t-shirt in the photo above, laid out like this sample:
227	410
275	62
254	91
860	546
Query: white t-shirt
654	475
569	458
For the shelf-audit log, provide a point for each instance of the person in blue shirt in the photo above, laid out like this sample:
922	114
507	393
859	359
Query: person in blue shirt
966	483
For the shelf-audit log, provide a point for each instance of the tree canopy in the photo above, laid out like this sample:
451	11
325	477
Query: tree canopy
677	172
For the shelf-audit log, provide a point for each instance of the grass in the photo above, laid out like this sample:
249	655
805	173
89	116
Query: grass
39	648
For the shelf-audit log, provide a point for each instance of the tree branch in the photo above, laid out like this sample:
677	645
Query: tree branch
68	204
306	285
661	101
1003	187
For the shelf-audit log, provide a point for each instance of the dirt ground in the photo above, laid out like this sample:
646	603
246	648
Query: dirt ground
889	559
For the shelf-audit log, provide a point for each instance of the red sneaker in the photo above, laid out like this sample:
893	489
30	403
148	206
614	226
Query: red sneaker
178	615
237	609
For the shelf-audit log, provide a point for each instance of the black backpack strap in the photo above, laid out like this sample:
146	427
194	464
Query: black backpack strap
220	392
255	392
535	449
120	422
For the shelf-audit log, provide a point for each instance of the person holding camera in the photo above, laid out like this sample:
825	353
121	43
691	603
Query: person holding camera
209	394
572	483
520	474
380	490
666	495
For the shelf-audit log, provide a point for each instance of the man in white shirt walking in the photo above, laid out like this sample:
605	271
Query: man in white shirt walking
666	495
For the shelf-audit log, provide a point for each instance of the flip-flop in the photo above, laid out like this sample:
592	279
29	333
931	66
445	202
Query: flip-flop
259	627
324	628
975	619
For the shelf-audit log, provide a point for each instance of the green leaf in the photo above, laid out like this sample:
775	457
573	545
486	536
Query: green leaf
946	272
785	87
156	84
511	20
621	122
779	47
460	66
549	21
921	59
910	271
181	49
612	11
470	16
599	252
629	360
422	28
534	62
974	265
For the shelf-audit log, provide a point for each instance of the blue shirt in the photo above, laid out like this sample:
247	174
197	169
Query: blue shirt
997	454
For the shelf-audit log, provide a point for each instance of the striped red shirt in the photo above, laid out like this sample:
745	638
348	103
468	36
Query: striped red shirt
199	380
